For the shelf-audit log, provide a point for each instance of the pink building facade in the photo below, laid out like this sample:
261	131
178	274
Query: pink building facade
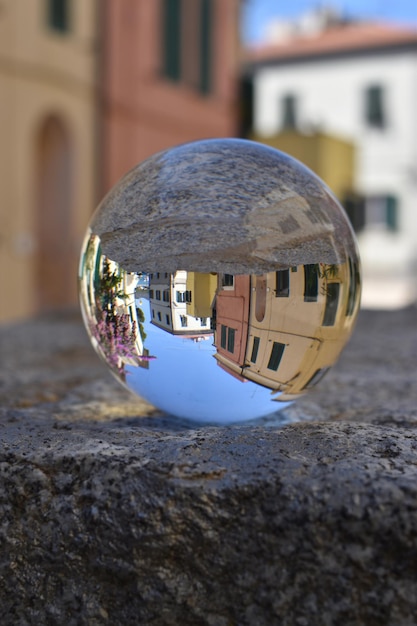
168	76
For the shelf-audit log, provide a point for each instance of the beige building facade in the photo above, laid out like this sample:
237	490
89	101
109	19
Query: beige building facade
88	88
47	157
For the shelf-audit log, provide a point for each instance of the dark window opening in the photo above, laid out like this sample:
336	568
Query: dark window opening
205	46
184	296
231	340
227	338
355	208
184	321
311	282
354	281
276	356
172	39
289	112
58	15
374	103
177	47
228	280
332	301
223	337
159	316
167	319
255	349
282	283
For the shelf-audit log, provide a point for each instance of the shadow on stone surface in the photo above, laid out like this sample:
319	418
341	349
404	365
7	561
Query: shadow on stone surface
114	514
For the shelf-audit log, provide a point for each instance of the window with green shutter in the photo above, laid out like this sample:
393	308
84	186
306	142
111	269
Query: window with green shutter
58	15
311	282
392	213
205	46
374	106
332	302
172	39
289	112
276	355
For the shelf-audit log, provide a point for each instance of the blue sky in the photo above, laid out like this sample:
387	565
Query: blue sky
186	381
257	13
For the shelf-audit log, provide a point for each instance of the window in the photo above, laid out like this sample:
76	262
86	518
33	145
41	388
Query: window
355	208
255	349
223	336
58	15
311	282
354	282
165	295
289	112
158	294
184	296
205	46
151	293
282	283
227	338
167	319
381	212
159	316
332	301
184	321
153	313
374	107
228	280
203	321
186	58
231	340
276	356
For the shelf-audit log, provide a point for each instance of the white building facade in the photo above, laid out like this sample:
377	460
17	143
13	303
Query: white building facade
357	82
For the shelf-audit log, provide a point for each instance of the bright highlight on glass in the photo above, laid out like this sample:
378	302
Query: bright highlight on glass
219	280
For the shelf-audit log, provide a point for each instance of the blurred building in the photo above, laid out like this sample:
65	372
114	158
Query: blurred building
48	57
168	77
87	89
355	83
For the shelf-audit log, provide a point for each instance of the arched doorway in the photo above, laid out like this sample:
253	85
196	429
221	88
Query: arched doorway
55	282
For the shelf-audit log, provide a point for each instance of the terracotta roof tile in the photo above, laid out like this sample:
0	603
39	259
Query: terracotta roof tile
337	39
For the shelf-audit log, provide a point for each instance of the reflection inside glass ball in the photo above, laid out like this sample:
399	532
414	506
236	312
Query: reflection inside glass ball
219	280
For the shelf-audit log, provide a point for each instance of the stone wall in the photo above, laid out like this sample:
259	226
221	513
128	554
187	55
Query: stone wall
111	513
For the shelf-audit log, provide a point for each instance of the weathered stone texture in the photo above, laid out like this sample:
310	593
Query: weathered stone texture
113	514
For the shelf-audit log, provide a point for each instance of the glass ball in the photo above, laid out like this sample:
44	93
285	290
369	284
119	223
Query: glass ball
219	280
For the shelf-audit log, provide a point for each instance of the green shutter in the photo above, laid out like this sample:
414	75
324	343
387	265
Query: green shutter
375	106
276	355
58	15
289	114
172	39
392	217
205	46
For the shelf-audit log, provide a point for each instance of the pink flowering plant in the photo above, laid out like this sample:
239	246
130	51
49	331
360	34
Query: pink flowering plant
114	332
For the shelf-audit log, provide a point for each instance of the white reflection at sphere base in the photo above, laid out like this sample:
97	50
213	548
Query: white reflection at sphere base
219	280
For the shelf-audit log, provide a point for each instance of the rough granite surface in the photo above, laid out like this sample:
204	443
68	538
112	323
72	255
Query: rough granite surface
235	205
111	513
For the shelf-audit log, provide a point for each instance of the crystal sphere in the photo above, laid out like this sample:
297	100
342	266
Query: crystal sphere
219	280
